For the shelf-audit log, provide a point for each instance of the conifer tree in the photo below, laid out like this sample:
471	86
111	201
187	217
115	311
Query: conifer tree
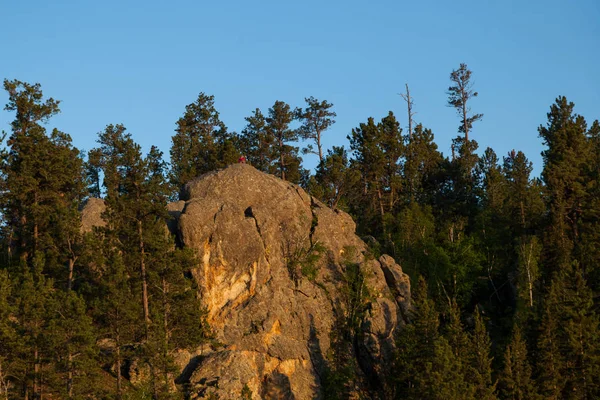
42	180
335	178
117	308
278	127
417	346
9	364
73	346
201	142
422	163
515	380
33	299
316	118
257	144
549	361
566	161
377	149
459	95
481	362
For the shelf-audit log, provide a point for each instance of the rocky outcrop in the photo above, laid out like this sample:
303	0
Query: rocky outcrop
91	214
273	275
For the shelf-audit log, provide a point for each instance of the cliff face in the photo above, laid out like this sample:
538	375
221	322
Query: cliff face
273	271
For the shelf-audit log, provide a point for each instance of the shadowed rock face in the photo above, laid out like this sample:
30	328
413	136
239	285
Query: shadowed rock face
252	232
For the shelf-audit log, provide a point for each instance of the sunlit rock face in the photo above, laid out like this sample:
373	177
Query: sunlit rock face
271	308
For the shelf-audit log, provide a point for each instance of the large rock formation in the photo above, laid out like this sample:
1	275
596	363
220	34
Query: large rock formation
91	214
273	270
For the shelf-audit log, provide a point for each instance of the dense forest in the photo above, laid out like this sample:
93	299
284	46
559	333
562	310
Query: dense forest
504	265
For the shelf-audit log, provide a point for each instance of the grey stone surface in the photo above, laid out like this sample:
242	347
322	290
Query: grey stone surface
251	231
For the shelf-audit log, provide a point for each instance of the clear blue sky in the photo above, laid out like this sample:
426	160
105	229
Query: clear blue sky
140	62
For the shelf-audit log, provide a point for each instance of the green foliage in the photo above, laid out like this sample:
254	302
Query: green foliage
278	128
499	248
459	94
201	143
316	118
515	380
334	179
481	362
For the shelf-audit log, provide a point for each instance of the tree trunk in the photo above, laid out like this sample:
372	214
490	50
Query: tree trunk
36	371
381	209
464	115
319	147
70	375
167	375
281	159
118	368
143	275
71	268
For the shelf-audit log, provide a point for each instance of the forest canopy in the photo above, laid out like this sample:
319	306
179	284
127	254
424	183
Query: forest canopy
504	265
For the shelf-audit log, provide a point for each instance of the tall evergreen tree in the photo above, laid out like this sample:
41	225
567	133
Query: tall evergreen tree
257	144
335	179
423	161
515	380
278	126
201	142
459	95
316	118
566	161
481	362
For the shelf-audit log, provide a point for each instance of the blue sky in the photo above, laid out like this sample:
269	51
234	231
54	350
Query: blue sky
140	62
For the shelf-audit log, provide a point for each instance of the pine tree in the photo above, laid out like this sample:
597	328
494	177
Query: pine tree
42	181
417	346
459	95
481	362
515	380
566	161
117	311
422	163
257	144
278	127
201	142
33	298
550	365
316	118
335	179
73	344
9	340
377	149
